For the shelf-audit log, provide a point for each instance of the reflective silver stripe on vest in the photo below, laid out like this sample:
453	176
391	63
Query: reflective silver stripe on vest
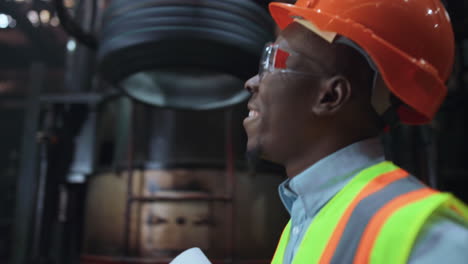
363	213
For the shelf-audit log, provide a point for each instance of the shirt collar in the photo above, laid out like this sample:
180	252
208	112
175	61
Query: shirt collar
321	181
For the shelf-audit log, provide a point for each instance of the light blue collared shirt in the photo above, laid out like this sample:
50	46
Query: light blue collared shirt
441	240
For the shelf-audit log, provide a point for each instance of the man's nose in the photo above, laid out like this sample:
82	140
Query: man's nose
252	84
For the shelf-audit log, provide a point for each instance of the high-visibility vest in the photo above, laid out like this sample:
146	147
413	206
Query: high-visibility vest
375	218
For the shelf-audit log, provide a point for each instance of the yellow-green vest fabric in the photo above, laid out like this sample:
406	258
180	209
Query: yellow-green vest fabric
374	219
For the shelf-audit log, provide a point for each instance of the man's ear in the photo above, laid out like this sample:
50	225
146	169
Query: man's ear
333	95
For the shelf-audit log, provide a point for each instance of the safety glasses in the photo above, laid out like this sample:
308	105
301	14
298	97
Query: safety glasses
274	59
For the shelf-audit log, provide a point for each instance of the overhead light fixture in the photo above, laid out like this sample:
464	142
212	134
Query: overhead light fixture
33	17
44	15
71	45
54	21
4	23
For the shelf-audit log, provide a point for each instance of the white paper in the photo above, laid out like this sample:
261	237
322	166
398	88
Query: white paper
191	256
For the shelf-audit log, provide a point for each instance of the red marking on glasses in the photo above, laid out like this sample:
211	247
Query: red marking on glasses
280	59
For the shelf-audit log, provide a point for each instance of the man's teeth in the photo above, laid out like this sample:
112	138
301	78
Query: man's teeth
253	113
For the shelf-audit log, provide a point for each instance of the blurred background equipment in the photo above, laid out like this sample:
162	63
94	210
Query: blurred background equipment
207	45
210	47
133	153
122	139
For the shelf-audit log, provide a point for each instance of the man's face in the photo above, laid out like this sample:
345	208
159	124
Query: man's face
281	105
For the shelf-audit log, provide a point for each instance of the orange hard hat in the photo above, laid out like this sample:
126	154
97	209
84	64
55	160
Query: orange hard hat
410	41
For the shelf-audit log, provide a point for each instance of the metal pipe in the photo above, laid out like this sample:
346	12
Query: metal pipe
230	183
181	197
73	28
43	165
128	206
26	184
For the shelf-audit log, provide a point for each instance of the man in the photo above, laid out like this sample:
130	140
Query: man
336	75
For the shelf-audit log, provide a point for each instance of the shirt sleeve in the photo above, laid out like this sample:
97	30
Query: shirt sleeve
443	239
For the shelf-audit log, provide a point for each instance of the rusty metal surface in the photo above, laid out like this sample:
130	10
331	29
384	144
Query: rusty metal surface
180	196
91	259
157	226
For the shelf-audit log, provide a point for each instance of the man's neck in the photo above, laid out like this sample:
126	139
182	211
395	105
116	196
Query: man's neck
315	151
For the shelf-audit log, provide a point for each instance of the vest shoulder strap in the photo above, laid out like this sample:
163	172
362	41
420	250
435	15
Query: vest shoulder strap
393	231
347	240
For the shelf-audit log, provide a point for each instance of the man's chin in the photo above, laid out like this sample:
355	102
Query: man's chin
253	156
257	161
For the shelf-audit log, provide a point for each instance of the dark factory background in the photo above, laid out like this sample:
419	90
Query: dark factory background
121	131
